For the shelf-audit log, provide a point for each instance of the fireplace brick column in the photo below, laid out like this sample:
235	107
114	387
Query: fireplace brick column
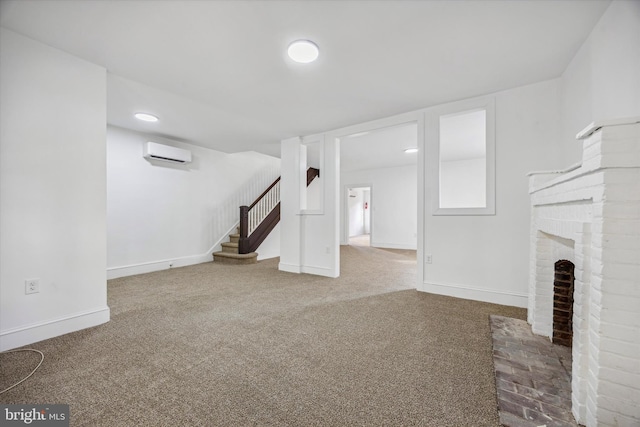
581	298
614	368
596	206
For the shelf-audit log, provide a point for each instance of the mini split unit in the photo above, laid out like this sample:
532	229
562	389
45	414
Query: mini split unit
166	153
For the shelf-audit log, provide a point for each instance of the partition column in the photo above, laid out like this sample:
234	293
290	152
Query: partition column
292	176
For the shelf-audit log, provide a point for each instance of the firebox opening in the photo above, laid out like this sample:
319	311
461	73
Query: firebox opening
563	302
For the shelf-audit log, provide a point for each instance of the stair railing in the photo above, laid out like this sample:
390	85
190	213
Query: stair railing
258	219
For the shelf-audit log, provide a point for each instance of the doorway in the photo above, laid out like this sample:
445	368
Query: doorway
384	161
359	215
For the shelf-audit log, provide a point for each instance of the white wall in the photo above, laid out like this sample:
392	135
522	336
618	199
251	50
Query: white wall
270	247
394	203
601	82
309	242
486	257
358	217
320	240
52	192
355	212
314	194
161	214
291	200
463	183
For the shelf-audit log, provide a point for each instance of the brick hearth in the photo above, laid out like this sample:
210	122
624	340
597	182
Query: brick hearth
533	376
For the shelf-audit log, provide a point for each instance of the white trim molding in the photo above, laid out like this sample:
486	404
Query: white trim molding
289	268
24	335
151	266
432	132
318	271
387	245
165	264
478	294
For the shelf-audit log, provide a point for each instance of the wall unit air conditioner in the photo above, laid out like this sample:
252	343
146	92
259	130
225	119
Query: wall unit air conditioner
155	151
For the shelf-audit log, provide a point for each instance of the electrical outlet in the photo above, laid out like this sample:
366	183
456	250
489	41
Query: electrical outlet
32	286
428	259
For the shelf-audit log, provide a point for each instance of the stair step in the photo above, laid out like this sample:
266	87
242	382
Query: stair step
234	238
231	258
230	247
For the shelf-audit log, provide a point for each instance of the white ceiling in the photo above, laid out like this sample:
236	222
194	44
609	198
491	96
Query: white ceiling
217	75
387	145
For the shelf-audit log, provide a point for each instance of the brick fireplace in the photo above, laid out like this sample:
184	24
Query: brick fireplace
589	215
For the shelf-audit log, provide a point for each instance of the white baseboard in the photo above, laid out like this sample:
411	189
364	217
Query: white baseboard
18	337
148	267
289	268
318	271
477	294
384	245
165	264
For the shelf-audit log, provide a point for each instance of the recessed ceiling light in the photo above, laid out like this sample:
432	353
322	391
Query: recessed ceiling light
303	51
146	117
411	150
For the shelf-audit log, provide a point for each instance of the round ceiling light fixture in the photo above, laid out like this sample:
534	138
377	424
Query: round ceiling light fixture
146	117
411	150
303	51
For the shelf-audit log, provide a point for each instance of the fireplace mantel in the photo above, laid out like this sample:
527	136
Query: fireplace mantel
590	214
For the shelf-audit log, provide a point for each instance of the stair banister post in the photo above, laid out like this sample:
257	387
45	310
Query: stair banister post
243	242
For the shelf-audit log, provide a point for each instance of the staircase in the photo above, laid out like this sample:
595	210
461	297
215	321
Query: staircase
256	222
229	253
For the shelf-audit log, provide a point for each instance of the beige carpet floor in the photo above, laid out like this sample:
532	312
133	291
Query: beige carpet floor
224	345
